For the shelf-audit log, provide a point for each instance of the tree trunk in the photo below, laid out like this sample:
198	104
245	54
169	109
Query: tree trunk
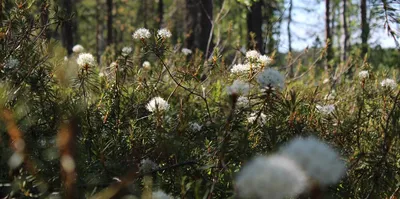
328	36
291	68
44	18
190	24
109	22
67	30
206	10
160	13
254	26
345	33
364	27
98	30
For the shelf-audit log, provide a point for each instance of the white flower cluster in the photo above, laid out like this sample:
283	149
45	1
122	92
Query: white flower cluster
319	161
252	55
295	169
264	60
78	49
271	79
194	126
164	33
389	84
243	101
238	87
157	104
141	33
326	110
160	195
146	165
261	118
273	177
186	51
11	63
146	65
126	51
240	68
86	60
363	74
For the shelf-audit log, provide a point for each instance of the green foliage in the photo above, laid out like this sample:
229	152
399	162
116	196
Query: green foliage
103	109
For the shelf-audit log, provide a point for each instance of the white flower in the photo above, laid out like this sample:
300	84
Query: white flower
141	33
243	101
261	118
146	65
11	63
164	33
252	55
273	177
195	126
157	103
389	83
126	51
240	68
264	60
113	65
330	96
319	160
238	87
146	165
160	195
363	74
78	49
86	60
326	110
186	51
271	78
326	80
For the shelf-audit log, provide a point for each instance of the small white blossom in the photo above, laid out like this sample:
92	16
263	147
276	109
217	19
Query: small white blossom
113	65
141	33
85	60
252	55
389	83
194	126
146	65
363	74
186	51
319	160
326	80
126	51
161	195
238	87
157	103
261	118
243	101
271	78
331	95
78	49
11	63
240	68
146	165
65	58
326	110
273	177
164	33
264	60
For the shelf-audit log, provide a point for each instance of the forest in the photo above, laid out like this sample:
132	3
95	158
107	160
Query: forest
200	99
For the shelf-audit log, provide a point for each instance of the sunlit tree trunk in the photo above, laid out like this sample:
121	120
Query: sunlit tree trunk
291	69
254	26
364	27
109	22
345	32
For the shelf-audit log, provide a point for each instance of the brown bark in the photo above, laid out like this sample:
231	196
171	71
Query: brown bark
345	32
67	29
364	27
254	25
160	13
109	22
328	36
